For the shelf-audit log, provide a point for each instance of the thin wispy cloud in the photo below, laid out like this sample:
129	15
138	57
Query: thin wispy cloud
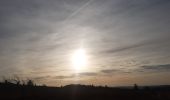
155	68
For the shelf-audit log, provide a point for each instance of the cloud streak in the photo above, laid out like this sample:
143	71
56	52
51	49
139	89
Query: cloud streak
78	75
155	68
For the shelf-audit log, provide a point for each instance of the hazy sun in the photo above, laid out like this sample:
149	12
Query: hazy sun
79	59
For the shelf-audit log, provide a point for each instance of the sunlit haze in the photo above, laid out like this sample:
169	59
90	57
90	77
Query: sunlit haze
100	42
79	59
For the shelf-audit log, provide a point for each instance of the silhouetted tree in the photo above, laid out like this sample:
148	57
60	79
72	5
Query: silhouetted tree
106	86
23	82
30	83
136	87
16	80
6	81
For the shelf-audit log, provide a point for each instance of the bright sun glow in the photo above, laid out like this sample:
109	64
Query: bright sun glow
79	59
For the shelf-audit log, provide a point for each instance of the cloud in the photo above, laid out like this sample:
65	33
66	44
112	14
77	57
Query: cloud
153	68
64	77
41	77
113	71
108	71
78	75
111	51
140	69
87	74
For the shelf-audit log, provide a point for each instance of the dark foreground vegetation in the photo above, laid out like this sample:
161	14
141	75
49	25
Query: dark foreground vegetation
29	91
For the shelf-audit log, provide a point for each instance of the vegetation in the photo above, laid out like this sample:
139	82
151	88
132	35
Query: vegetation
16	89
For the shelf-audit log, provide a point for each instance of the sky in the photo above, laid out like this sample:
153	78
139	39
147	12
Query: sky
123	41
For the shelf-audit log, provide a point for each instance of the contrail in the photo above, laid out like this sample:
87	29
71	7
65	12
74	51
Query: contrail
78	10
73	14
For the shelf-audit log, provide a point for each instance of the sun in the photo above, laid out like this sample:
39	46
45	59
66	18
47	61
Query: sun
79	59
